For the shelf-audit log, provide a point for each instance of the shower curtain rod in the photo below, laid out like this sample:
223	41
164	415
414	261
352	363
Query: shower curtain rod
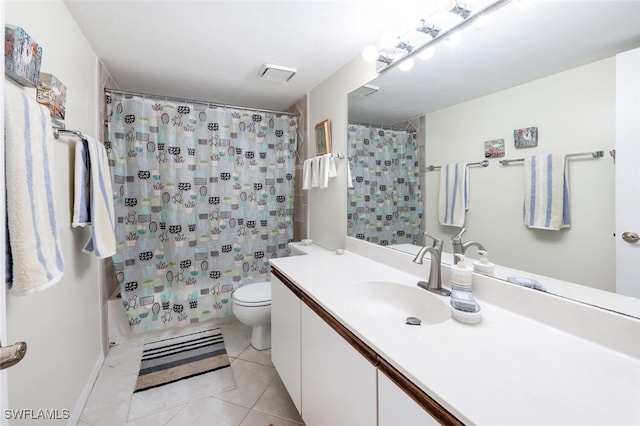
195	101
381	126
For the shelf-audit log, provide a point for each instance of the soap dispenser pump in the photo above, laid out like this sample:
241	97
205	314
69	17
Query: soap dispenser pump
483	266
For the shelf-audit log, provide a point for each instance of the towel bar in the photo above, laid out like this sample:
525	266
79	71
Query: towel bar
56	132
483	163
593	154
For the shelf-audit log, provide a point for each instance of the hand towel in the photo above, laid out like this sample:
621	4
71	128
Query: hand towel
306	174
349	175
315	172
453	200
546	200
103	240
81	186
327	170
36	253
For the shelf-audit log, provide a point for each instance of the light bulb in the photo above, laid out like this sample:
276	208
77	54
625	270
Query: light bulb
481	21
454	39
426	54
370	53
523	3
406	65
388	40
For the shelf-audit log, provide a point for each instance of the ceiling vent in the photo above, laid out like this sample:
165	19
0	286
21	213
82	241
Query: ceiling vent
276	73
366	90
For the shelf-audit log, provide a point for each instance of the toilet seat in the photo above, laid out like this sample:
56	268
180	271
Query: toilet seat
253	295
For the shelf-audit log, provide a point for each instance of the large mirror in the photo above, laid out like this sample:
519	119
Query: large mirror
552	67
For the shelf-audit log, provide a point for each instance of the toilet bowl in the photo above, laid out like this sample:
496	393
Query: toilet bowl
251	305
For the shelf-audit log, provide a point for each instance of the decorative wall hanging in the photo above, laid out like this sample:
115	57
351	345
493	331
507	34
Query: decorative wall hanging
526	138
494	148
52	93
22	56
323	137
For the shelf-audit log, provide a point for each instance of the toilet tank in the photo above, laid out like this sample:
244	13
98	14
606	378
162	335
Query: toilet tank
299	248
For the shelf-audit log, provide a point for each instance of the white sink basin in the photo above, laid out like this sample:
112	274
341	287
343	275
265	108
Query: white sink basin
393	303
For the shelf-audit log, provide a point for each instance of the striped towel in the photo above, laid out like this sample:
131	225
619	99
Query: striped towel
36	254
94	207
453	200
546	200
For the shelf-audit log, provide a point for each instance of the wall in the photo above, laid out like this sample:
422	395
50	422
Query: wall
574	112
61	325
328	207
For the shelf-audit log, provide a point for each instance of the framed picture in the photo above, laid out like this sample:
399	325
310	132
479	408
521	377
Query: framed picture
494	148
323	137
526	138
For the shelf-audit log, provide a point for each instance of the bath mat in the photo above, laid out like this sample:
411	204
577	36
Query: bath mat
177	358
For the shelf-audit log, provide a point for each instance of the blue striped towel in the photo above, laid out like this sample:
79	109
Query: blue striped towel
93	197
36	254
453	200
546	200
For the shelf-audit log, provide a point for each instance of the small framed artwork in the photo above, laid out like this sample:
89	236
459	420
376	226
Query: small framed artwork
494	148
526	138
323	137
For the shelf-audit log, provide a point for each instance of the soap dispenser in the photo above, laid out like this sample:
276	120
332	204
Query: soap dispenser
483	266
463	306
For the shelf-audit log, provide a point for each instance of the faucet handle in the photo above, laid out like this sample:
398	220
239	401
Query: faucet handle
437	242
458	236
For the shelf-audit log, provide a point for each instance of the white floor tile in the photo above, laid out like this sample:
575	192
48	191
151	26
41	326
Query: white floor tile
261	357
276	401
209	411
252	379
155	419
256	418
110	393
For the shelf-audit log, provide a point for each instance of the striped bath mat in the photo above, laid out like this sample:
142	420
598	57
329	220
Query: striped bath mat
178	358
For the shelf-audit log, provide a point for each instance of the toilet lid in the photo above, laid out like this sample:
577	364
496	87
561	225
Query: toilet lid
253	293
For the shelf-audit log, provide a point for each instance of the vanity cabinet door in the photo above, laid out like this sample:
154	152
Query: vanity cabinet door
395	407
338	383
285	337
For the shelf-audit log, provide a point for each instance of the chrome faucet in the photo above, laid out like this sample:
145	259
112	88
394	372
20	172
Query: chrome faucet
434	281
459	247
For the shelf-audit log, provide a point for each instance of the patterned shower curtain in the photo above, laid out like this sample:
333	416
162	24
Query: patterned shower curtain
385	203
203	197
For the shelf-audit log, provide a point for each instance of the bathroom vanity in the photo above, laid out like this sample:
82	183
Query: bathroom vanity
343	349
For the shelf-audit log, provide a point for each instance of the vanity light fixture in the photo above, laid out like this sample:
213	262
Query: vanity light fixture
407	45
461	9
430	30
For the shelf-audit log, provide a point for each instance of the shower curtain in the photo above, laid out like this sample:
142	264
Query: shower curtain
203	198
385	203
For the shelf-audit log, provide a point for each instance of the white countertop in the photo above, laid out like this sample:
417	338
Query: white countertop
506	370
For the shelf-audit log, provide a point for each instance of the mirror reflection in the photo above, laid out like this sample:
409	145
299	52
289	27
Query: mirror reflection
532	82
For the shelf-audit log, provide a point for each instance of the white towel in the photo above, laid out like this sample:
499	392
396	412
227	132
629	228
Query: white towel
103	240
36	254
327	170
306	174
546	201
453	200
349	175
315	172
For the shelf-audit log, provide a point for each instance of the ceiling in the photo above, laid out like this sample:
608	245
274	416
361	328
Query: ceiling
213	50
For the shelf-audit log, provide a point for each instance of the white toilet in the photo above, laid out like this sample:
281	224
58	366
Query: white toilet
251	304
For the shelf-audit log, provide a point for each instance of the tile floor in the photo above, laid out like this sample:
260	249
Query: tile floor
260	398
